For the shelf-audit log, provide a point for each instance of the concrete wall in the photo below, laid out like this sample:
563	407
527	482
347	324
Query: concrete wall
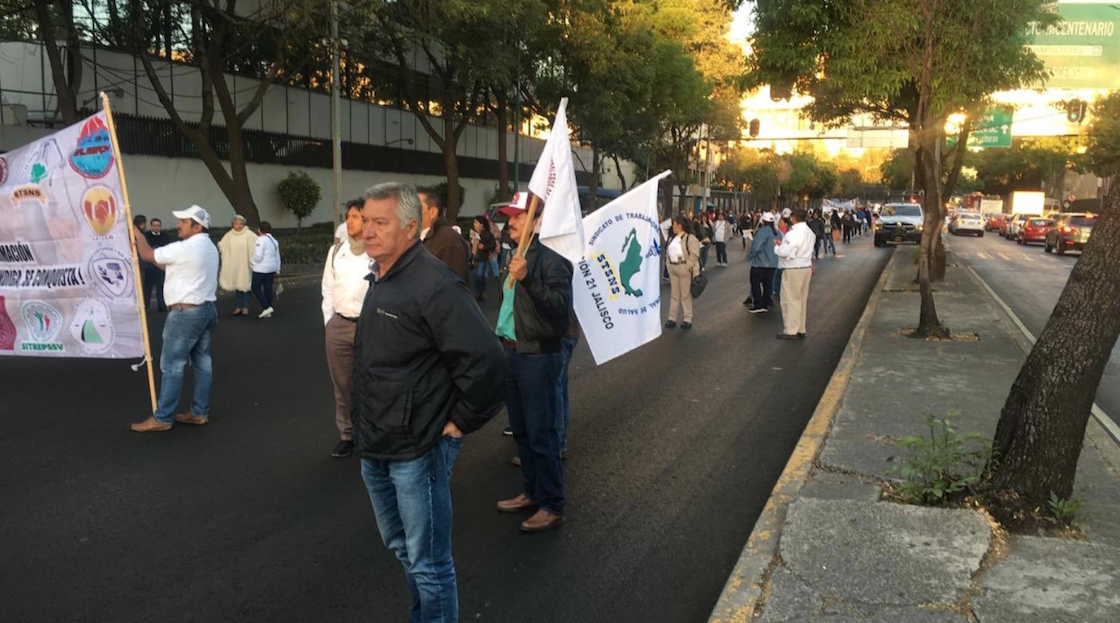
25	80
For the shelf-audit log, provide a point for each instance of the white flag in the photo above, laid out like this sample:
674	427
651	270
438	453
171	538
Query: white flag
617	285
554	181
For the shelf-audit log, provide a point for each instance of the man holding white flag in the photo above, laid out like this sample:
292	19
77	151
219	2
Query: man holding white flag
554	182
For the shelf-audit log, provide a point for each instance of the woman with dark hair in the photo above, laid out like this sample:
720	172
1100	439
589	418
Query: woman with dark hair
265	265
483	247
683	262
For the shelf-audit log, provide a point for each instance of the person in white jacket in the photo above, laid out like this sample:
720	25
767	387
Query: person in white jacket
344	291
265	265
721	232
795	258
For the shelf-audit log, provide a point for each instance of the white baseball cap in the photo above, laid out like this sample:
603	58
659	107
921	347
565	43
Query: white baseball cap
786	213
197	214
767	217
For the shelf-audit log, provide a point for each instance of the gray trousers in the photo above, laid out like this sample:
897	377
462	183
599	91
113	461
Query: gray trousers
340	362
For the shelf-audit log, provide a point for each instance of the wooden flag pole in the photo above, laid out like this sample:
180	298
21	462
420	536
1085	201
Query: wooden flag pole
132	248
527	233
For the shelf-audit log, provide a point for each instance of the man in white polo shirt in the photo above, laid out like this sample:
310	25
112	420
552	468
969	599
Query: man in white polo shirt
189	290
795	258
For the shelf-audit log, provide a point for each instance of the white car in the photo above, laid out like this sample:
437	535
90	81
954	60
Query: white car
967	223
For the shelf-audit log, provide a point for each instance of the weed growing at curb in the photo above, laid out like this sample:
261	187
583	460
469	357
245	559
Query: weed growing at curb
1066	513
943	465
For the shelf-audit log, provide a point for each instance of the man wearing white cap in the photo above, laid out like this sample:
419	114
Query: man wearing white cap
190	290
795	257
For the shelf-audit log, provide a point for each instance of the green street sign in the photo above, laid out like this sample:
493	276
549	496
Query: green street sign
1082	51
991	129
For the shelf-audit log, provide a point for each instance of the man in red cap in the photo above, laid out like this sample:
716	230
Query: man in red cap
532	324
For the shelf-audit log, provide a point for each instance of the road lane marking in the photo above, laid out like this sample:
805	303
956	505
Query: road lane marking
1004	256
1101	417
983	255
1028	258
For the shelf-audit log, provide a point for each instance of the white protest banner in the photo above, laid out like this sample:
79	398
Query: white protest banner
554	181
67	282
617	284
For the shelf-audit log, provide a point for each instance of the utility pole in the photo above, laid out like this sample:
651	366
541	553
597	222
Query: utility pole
336	122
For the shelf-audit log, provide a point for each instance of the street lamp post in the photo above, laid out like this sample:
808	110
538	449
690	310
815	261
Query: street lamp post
336	125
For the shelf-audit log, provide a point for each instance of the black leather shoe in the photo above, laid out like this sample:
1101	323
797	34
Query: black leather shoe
344	449
670	325
800	336
786	336
686	326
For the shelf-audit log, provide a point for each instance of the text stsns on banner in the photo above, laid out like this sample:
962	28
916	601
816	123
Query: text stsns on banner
66	278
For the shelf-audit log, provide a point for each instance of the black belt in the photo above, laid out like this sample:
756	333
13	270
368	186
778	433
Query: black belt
347	318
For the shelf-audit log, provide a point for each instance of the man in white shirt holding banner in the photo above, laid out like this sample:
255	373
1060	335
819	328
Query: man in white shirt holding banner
190	291
795	258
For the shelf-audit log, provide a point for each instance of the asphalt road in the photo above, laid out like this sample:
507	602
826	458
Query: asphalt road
674	450
1030	281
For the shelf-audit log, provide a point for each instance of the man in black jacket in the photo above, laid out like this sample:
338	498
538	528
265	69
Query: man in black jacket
427	370
532	324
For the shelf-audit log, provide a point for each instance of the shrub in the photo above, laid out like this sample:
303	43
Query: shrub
299	193
944	463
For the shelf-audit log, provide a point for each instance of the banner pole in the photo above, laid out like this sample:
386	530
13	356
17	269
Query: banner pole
527	233
132	250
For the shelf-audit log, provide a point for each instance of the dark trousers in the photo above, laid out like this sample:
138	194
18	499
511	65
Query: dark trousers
262	288
762	286
703	255
847	233
152	279
533	403
721	252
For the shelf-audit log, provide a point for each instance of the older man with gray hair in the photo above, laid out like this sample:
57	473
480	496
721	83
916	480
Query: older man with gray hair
428	370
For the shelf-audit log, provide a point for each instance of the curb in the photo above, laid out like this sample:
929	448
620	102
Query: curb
1102	418
743	589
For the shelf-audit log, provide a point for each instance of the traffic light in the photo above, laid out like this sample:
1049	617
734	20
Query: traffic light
1075	111
754	125
779	92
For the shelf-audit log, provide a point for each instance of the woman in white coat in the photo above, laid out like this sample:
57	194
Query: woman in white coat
236	248
266	265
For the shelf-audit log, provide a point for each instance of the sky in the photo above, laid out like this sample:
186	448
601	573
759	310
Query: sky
742	24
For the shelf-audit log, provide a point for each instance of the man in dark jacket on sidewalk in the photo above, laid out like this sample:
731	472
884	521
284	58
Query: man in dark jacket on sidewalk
532	324
438	237
427	370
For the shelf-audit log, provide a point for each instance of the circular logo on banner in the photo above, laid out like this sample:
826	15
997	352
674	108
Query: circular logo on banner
111	272
93	156
43	321
99	206
92	326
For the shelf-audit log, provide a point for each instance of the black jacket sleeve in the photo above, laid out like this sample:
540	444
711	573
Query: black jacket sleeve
551	290
472	354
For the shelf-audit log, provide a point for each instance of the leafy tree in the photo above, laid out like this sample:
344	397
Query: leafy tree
1042	425
849	183
917	61
810	177
300	194
1029	164
898	171
751	171
55	20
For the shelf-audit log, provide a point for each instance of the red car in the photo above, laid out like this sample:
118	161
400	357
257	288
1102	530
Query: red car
1034	230
993	221
1003	223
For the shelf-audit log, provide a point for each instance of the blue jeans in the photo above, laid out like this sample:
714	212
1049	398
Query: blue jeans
721	252
703	256
262	288
493	267
478	273
186	334
242	300
564	413
777	282
533	403
412	503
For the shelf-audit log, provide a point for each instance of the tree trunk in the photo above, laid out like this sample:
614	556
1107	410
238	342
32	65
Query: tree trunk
593	182
67	104
242	199
502	112
682	201
618	171
927	136
666	185
451	167
1042	425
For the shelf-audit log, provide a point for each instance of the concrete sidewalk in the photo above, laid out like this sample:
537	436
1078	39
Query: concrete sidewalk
828	547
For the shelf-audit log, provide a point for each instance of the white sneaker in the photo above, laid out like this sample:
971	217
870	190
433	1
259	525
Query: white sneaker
266	313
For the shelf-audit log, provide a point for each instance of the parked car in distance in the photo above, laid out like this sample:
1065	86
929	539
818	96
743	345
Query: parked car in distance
993	221
1070	232
967	223
1034	230
899	222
